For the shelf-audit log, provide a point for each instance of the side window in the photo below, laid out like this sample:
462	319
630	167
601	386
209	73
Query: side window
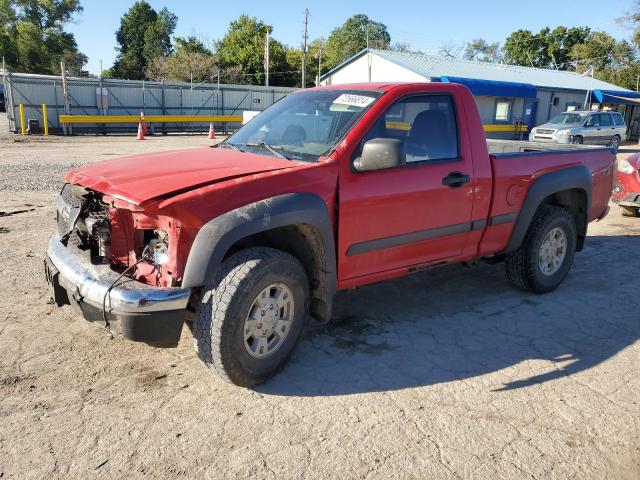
594	120
617	119
426	125
605	120
503	111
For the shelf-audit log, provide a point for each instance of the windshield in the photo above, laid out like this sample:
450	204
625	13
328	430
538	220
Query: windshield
566	118
304	125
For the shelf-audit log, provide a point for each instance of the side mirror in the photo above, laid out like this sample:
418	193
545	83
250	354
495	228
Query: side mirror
380	153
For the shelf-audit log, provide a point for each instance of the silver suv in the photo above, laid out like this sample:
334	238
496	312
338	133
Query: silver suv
590	127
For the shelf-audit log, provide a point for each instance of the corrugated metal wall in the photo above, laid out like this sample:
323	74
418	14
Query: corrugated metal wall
129	97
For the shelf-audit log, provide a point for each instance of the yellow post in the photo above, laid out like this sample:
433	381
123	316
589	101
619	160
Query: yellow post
45	119
23	127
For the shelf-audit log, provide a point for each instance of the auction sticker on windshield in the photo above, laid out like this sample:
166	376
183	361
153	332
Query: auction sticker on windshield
353	100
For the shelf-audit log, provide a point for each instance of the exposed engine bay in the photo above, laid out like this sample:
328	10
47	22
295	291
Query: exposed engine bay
90	221
83	221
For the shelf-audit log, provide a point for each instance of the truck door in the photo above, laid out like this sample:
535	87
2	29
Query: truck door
416	213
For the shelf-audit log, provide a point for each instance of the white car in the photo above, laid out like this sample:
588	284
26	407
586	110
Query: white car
589	127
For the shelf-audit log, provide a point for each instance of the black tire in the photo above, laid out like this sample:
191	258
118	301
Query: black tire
522	265
577	140
615	142
630	211
225	303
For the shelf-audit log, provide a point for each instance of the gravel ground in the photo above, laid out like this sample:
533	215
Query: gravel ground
445	374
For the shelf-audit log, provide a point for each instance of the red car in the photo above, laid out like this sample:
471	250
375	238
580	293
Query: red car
626	191
328	189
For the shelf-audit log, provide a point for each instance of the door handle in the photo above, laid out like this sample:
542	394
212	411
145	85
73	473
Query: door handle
456	179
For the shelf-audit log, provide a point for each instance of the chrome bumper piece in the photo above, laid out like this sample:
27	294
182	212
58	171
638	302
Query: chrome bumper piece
89	284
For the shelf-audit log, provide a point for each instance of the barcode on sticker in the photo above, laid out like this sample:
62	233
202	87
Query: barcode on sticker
353	100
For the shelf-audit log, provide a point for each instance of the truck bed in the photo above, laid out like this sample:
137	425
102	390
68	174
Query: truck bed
500	147
516	164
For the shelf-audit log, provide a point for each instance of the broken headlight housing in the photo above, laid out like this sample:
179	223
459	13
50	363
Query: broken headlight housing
159	247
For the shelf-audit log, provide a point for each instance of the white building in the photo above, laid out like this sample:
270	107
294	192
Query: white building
511	99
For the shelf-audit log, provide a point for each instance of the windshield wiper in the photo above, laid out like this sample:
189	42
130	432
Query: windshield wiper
232	146
277	151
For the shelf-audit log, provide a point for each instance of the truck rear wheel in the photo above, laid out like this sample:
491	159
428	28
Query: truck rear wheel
546	254
251	315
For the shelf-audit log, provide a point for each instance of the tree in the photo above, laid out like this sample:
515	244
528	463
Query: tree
613	61
451	50
403	47
351	37
32	36
243	46
192	61
481	50
144	34
546	49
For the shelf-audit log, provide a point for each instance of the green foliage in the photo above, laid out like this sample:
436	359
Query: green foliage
351	37
32	36
191	44
144	34
613	61
315	52
545	49
48	13
243	46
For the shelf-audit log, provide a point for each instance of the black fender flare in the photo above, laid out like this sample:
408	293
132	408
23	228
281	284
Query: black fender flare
572	178
217	236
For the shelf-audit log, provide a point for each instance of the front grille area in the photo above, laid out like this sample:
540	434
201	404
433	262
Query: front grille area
68	210
83	221
544	131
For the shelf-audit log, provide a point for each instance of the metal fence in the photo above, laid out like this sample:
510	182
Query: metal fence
94	96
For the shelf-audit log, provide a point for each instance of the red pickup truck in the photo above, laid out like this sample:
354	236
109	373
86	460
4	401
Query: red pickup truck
329	189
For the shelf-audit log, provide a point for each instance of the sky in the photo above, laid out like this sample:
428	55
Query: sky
425	25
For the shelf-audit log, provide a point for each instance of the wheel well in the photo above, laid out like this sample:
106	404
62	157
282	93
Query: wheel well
575	202
304	242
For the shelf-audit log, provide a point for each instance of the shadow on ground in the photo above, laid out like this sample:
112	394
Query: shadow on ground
457	323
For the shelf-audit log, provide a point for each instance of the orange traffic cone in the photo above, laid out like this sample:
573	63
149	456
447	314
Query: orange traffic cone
140	131
143	122
212	132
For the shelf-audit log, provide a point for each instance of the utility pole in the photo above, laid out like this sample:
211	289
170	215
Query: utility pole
266	60
100	96
320	65
367	34
65	92
368	53
304	48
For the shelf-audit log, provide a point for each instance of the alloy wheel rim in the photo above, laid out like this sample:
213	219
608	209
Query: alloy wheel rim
268	321
552	251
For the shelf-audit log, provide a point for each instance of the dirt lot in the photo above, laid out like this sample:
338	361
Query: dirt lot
446	374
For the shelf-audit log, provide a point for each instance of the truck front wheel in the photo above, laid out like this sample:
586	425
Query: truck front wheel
546	254
251	315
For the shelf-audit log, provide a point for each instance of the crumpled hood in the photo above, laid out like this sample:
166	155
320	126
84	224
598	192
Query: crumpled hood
139	178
